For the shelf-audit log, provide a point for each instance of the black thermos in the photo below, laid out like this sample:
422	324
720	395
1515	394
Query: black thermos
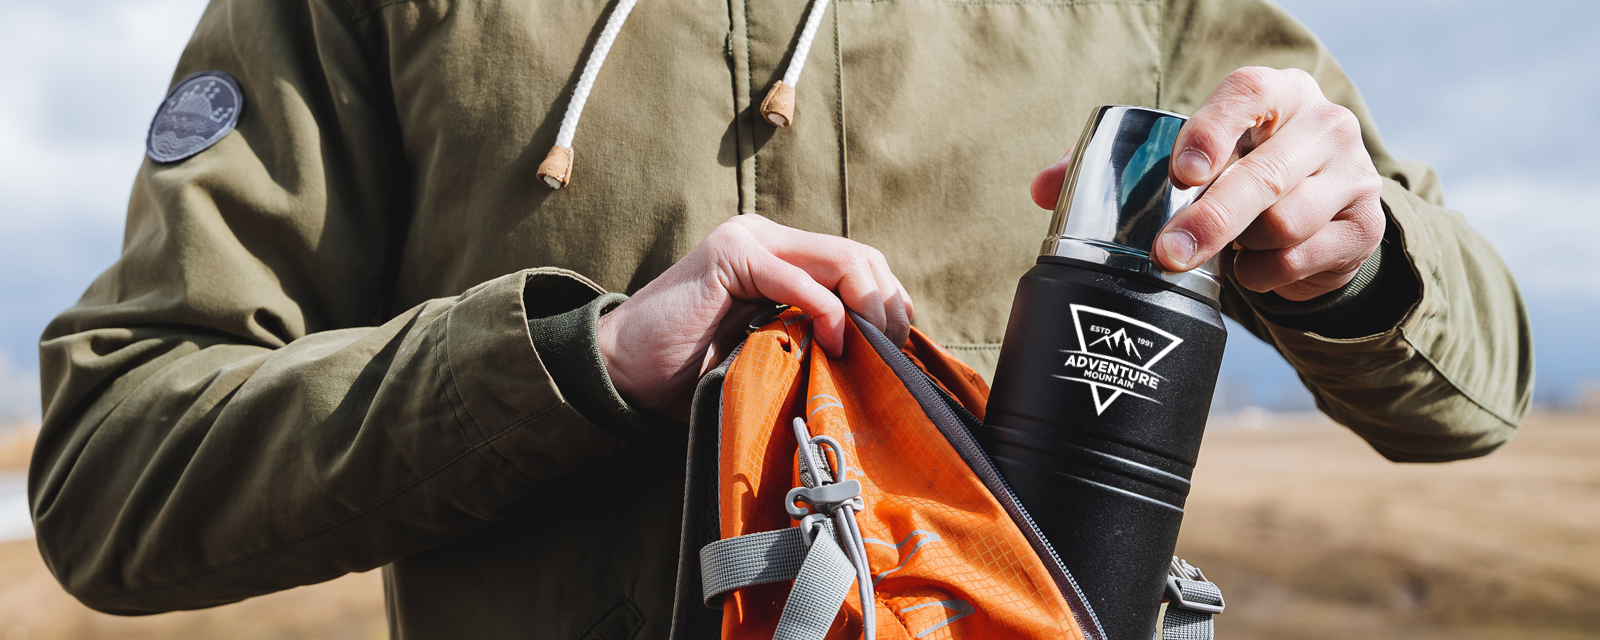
1106	374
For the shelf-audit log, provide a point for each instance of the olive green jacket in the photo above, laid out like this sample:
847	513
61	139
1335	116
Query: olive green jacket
314	355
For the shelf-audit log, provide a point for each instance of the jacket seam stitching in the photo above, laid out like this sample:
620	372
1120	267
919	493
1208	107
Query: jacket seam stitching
458	405
752	112
844	136
1161	49
309	534
1454	385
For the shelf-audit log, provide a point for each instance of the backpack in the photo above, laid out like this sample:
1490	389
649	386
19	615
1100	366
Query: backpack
848	498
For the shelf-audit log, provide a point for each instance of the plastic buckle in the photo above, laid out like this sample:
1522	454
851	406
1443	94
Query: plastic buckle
1183	571
824	499
810	526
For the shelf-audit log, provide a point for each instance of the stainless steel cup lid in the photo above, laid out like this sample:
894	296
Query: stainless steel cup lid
1118	195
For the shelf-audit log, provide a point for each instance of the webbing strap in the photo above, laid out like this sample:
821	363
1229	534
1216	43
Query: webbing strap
1183	621
818	592
822	575
758	558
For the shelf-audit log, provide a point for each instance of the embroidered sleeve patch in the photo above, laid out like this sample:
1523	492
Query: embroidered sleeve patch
196	114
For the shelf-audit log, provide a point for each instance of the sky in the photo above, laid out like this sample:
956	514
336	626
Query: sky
1499	98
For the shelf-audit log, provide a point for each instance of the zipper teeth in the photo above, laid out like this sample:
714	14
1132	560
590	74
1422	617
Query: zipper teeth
976	453
960	438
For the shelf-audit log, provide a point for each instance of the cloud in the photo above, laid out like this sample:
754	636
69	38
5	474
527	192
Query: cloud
82	81
1543	230
81	86
1499	98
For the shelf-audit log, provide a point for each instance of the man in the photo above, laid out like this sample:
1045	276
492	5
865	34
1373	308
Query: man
359	332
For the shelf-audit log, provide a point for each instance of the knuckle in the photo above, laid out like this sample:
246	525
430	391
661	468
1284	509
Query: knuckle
1348	265
1370	227
1207	220
1369	188
1341	121
860	265
1294	265
1282	228
1250	82
1302	78
724	233
1268	172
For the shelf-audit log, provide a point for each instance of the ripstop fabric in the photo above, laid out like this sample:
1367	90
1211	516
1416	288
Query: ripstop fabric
946	558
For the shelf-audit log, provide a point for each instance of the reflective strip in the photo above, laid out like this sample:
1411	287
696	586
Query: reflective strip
961	609
927	537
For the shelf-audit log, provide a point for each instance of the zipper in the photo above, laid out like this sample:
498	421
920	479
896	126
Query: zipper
956	423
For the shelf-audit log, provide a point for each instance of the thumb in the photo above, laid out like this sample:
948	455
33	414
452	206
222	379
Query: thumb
1046	188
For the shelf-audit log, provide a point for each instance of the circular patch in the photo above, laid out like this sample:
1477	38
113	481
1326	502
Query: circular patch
200	111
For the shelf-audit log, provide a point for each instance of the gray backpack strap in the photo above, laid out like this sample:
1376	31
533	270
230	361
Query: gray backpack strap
819	590
1191	601
758	558
821	572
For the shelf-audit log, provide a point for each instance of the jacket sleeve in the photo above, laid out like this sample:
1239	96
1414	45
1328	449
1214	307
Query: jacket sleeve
222	420
1451	374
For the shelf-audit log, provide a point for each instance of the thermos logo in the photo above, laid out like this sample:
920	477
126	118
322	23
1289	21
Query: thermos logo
1114	356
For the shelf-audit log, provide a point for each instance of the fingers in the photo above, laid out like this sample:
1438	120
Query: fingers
1251	98
896	304
758	274
1046	189
1306	270
859	274
1303	212
1294	133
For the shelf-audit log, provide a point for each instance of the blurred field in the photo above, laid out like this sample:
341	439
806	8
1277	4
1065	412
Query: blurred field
33	607
1311	535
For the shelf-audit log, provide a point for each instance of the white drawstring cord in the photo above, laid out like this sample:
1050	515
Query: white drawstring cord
556	169
778	107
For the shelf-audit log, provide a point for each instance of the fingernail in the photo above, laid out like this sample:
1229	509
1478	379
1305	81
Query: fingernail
1179	247
1194	164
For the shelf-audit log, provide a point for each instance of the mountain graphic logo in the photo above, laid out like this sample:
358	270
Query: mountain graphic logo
1116	356
1120	338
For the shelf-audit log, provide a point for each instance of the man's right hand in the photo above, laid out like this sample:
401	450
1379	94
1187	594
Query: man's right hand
659	342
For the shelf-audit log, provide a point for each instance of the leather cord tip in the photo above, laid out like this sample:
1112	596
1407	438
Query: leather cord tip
557	167
778	107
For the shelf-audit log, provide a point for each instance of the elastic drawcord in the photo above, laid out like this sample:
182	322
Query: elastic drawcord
556	169
778	107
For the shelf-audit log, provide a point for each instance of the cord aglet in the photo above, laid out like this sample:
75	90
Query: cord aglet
556	169
778	107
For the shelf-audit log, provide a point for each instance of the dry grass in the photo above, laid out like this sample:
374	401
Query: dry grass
33	607
1311	535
